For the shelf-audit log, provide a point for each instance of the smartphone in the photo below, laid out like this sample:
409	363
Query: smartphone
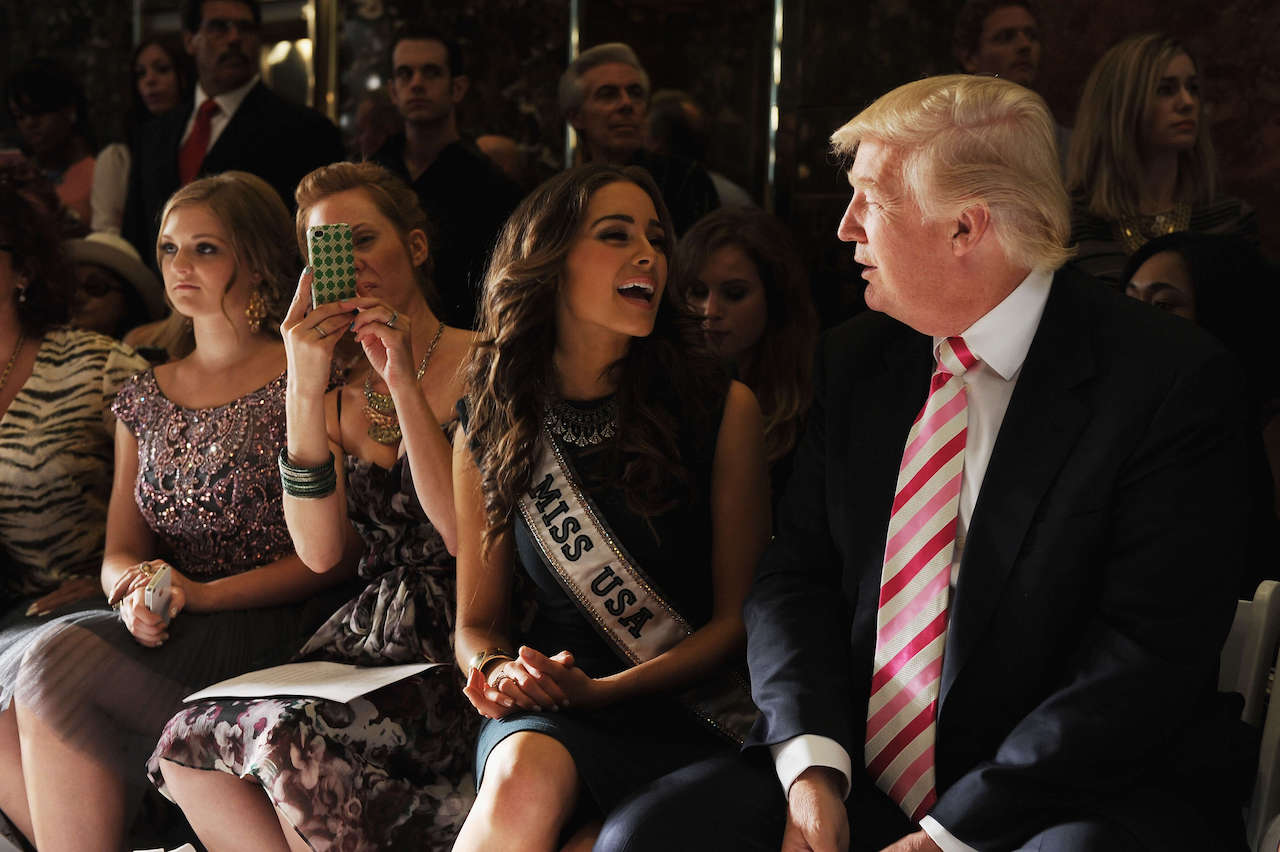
158	592
332	258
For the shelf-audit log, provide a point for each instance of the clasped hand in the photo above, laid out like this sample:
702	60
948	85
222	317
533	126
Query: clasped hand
533	681
129	596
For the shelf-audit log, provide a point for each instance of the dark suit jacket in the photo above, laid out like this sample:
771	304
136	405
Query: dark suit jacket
268	136
1096	587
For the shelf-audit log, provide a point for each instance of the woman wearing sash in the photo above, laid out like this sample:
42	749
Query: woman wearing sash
607	456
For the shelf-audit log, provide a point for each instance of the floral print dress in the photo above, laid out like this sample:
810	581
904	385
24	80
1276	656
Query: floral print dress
389	770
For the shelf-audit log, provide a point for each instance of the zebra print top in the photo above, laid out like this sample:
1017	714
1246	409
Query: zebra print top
56	441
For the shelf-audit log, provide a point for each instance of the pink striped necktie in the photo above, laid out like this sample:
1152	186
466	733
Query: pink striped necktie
911	623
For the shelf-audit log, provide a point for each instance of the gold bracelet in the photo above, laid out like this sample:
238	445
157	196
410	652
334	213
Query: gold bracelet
487	656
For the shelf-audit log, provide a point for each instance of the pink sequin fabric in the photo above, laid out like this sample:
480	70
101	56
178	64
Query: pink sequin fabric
207	479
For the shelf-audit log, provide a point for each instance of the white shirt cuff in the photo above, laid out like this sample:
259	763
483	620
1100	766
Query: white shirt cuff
942	837
793	756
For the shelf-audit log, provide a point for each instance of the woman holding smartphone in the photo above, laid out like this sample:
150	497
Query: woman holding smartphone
196	490
608	459
391	769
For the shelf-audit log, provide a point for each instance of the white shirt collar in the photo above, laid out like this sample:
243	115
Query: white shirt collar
1001	337
228	102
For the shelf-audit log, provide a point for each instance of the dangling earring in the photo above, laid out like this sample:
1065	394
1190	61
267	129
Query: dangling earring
256	310
22	293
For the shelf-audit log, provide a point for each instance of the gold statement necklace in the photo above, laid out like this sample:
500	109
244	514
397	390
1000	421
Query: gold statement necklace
13	359
1135	231
380	409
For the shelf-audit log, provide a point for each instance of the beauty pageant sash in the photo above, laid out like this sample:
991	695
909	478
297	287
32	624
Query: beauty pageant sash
613	592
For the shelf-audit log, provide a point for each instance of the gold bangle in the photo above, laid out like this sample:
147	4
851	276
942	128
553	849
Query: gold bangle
487	656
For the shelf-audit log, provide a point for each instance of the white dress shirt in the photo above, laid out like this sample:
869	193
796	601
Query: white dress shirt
228	103
1000	341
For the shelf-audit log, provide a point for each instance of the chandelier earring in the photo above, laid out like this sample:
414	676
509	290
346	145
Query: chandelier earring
256	310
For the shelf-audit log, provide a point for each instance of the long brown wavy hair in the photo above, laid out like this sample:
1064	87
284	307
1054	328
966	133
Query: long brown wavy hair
665	379
781	368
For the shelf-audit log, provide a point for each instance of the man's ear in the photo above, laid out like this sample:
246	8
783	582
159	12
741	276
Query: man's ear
188	40
418	248
970	228
458	87
574	119
969	63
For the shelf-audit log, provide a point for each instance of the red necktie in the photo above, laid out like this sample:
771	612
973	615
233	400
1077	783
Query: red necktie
911	622
197	145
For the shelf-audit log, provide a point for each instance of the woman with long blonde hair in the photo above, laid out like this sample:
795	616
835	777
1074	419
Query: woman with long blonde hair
196	494
1141	161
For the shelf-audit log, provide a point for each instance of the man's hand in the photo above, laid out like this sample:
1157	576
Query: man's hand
917	842
816	819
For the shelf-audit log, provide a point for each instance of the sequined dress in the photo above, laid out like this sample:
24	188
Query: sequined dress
389	770
208	487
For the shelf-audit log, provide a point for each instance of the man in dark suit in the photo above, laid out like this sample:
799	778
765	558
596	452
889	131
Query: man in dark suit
1005	562
234	122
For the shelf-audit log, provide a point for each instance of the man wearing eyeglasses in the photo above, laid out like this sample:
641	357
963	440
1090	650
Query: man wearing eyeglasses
233	122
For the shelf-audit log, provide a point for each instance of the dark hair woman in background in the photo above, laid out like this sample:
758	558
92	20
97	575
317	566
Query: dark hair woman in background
48	106
738	269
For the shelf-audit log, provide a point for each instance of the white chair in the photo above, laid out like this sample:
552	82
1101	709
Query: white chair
1248	656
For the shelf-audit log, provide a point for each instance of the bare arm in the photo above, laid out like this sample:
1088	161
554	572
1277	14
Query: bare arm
484	585
322	535
129	540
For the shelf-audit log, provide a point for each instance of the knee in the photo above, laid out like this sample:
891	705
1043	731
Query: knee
528	776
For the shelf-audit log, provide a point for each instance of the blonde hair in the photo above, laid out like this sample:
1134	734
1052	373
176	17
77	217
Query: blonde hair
969	140
258	228
1105	155
394	199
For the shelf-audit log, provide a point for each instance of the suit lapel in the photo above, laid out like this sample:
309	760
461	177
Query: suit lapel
879	427
1043	421
238	136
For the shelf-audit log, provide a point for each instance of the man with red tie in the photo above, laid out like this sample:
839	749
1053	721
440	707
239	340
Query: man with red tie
1005	562
233	122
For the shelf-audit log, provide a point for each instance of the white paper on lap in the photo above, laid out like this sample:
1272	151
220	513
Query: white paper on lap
333	681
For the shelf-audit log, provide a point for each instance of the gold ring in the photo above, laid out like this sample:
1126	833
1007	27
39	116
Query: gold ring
320	331
395	315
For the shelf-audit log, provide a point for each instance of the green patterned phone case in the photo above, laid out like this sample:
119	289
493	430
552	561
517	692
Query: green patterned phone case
331	255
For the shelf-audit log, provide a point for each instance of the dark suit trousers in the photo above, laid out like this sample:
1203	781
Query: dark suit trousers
734	802
731	801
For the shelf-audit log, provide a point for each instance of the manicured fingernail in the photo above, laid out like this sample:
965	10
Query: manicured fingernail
507	702
31	610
